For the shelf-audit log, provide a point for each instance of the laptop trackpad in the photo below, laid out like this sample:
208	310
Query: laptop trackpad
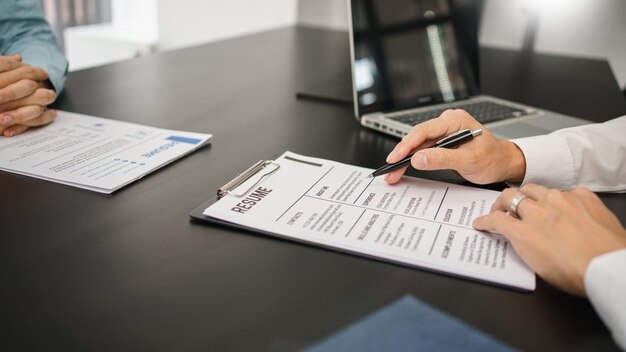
518	130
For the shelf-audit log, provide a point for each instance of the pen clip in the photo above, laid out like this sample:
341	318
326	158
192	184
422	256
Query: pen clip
452	136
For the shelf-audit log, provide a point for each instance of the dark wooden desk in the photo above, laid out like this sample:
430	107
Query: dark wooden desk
84	271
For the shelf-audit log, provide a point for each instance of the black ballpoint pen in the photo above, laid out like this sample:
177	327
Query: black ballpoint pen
450	141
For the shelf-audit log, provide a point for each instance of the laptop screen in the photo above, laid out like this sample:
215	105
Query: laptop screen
413	53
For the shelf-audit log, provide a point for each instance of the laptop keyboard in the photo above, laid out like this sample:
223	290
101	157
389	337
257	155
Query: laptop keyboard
484	112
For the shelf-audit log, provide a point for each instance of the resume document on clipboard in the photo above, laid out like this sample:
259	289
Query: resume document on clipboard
420	223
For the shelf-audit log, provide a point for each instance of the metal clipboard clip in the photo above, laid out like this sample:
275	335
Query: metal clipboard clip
240	179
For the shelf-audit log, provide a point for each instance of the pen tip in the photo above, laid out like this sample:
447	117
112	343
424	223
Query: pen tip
370	176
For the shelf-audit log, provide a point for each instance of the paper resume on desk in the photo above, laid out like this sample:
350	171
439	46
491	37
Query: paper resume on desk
421	223
93	153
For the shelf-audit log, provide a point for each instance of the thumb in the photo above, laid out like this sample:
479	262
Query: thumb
437	159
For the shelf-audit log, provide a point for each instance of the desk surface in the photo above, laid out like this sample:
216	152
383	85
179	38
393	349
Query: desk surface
85	271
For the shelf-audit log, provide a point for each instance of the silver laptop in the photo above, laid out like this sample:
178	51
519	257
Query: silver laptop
414	59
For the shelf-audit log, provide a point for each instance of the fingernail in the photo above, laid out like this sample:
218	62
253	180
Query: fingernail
420	160
7	119
391	155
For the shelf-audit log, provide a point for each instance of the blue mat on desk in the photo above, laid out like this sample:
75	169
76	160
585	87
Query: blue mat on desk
409	324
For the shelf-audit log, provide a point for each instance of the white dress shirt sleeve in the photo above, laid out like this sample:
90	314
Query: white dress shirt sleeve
592	156
605	283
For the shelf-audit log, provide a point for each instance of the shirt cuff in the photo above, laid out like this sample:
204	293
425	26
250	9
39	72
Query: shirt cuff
549	161
51	60
605	283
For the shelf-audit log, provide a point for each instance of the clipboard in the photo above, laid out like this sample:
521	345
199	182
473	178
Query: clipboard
230	188
259	168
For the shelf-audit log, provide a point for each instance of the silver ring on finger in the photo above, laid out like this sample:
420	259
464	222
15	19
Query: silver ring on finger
515	204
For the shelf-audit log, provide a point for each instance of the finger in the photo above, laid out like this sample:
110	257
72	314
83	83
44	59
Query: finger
421	133
16	57
23	72
401	150
503	203
17	90
9	65
15	130
500	222
439	158
21	115
450	121
45	118
395	176
500	203
41	96
536	192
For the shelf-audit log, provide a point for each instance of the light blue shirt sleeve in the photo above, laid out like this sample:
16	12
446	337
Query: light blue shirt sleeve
23	30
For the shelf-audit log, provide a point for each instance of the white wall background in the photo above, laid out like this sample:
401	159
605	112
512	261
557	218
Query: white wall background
183	23
583	28
323	13
133	32
141	27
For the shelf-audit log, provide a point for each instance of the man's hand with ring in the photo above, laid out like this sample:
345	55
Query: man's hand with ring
515	203
557	233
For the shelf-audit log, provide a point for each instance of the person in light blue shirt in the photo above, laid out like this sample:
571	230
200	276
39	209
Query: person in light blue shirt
32	67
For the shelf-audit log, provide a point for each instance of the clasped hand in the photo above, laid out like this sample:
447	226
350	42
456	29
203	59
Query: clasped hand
24	95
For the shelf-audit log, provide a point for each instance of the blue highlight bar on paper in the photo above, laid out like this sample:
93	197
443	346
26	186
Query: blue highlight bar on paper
184	139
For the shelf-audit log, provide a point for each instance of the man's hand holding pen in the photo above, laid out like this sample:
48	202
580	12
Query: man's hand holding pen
451	141
483	160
